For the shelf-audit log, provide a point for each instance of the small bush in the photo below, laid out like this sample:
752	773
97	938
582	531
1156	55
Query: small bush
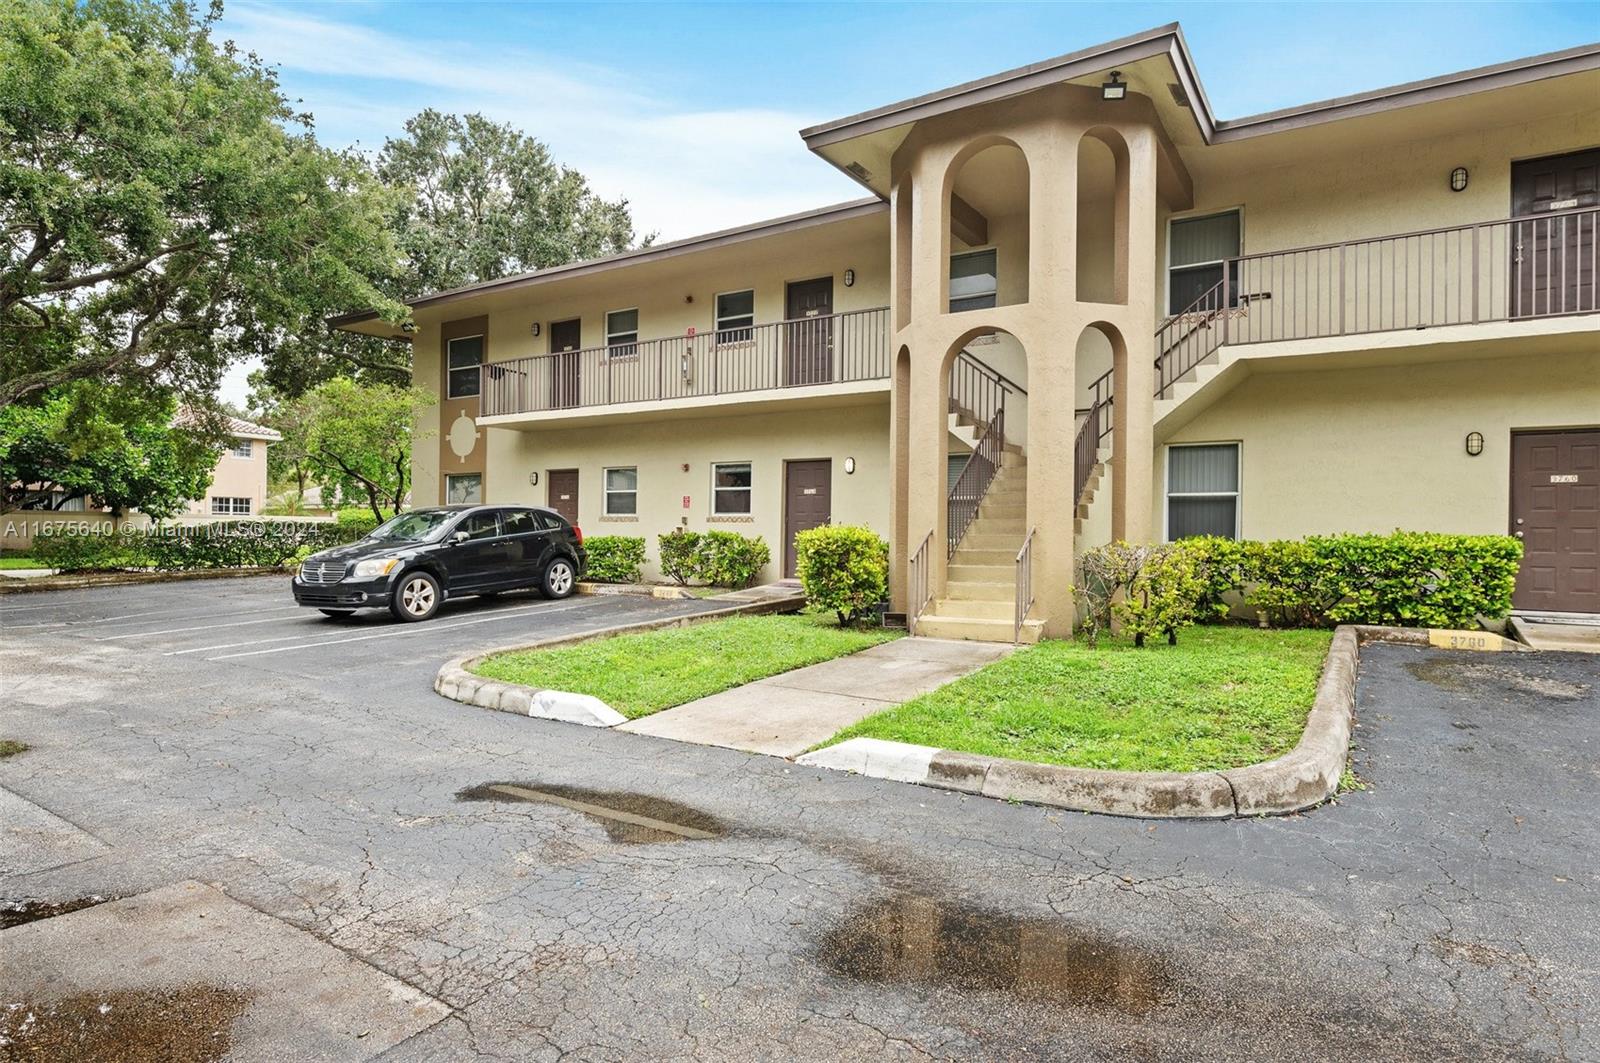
174	547
844	568
357	523
677	549
615	558
1152	588
728	559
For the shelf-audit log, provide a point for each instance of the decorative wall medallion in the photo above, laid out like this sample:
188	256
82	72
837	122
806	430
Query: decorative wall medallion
463	436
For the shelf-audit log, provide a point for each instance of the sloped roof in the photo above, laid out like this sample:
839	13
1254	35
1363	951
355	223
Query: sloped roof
237	427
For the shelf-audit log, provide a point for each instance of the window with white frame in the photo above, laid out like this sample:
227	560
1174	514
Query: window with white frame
622	333
974	280
242	448
1196	250
230	506
463	487
1203	490
464	354
730	489
736	316
622	492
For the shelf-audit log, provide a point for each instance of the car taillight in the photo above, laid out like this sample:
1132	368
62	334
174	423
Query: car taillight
577	533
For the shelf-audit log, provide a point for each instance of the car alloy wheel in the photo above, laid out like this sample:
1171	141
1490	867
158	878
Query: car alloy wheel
559	578
417	597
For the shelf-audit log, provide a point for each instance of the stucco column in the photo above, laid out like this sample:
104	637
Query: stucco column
1133	411
927	421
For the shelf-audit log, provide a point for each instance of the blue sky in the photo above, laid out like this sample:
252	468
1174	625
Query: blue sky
691	111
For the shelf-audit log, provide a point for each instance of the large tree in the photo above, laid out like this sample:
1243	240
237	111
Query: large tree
163	209
120	446
358	440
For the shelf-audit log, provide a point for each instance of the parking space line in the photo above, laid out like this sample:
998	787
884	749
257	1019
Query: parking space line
416	629
198	627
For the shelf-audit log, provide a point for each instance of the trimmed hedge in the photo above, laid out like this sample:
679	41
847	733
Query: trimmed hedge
844	568
171	547
1405	579
720	558
614	558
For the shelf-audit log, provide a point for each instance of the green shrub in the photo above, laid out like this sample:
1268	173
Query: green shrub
614	558
173	547
1163	593
844	568
677	549
728	559
1222	566
357	523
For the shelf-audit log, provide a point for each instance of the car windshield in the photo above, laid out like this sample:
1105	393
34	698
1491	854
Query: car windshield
412	527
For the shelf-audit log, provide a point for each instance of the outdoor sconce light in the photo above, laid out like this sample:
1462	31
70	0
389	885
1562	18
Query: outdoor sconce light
1115	89
533	329
1458	179
533	478
849	466
409	326
1474	443
849	278
685	466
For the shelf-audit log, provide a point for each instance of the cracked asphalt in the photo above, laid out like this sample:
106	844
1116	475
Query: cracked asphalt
206	731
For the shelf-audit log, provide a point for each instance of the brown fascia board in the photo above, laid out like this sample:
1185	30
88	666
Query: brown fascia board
1169	40
856	208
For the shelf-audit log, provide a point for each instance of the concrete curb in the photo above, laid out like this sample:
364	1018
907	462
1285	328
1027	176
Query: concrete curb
122	579
456	681
641	590
1305	776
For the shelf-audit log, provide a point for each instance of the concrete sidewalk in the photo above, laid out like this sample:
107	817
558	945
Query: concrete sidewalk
787	714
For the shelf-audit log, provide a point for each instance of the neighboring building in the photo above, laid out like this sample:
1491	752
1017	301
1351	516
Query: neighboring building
239	482
1078	307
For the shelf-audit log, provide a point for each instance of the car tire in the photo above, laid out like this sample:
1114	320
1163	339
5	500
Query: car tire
416	597
337	614
559	580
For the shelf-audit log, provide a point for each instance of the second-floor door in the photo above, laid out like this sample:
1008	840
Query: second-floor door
810	332
1553	252
565	339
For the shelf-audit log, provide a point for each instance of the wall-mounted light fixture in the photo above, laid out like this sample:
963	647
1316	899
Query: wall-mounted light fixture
533	330
1458	179
533	478
1115	89
1474	443
409	326
849	278
849	466
685	466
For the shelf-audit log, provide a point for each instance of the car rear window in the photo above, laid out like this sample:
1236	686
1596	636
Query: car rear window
551	521
518	521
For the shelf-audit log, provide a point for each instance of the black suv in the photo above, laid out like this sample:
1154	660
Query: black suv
416	560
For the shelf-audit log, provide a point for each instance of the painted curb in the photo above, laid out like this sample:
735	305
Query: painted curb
456	680
1305	776
640	590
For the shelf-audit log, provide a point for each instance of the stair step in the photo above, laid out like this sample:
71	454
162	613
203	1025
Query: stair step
981	590
976	629
971	555
980	538
1002	510
968	609
981	573
1010	528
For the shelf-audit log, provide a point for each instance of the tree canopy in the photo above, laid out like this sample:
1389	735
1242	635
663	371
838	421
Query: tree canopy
163	209
117	445
357	440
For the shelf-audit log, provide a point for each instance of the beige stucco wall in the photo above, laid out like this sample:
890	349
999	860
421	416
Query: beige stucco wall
237	478
661	449
1371	450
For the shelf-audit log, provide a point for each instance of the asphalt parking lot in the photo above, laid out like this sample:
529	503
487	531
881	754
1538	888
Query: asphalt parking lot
751	910
255	624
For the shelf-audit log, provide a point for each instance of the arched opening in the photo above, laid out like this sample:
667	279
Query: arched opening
985	463
986	209
900	483
1102	217
903	193
1094	387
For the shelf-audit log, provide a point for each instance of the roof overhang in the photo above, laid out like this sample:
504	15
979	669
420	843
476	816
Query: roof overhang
1158	64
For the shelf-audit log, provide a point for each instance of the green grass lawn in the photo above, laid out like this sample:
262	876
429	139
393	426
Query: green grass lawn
21	561
1222	698
654	670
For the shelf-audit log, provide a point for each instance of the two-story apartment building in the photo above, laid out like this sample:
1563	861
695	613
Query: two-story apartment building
1077	306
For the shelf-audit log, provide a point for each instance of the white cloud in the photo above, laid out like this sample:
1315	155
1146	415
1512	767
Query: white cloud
684	170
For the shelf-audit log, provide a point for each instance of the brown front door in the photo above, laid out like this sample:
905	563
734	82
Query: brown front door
561	492
1555	511
810	332
1553	258
807	502
565	339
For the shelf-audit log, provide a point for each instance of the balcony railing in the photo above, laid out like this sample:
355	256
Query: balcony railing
1530	267
833	349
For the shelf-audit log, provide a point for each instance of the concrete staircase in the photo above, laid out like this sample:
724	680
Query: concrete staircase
980	592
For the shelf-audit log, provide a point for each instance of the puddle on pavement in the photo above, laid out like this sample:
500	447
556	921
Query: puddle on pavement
173	1024
634	819
915	939
1462	676
15	914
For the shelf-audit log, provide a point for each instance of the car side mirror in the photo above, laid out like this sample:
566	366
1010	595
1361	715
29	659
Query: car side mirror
457	538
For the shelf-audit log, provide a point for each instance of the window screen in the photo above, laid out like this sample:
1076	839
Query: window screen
1203	490
736	316
622	333
731	488
1197	248
973	281
465	355
622	492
